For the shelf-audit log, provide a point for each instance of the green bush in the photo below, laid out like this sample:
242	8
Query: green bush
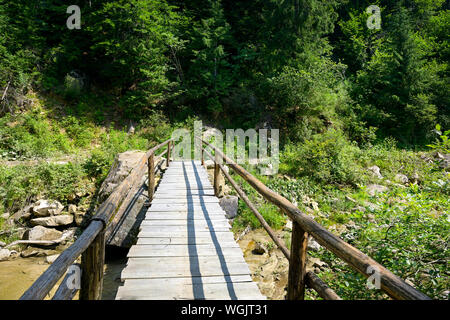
81	134
327	158
20	184
31	135
270	213
155	127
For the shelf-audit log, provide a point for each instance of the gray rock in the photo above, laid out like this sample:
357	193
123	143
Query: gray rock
52	258
53	221
24	214
4	254
2	244
5	215
373	189
288	226
230	205
209	164
307	201
375	171
80	218
43	233
31	252
45	208
72	209
401	178
313	245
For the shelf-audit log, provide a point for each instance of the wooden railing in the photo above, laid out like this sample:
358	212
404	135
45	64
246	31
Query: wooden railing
91	243
302	227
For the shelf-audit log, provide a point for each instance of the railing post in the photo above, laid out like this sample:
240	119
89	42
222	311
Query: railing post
216	173
151	176
92	261
297	263
203	157
168	153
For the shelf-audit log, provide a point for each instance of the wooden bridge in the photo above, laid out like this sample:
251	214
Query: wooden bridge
185	249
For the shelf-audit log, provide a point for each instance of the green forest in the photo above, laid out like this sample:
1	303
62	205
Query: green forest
363	113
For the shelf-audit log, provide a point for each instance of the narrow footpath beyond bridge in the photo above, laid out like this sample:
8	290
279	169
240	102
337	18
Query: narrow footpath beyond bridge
185	249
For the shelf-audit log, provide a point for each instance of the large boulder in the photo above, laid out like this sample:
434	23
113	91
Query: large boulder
43	233
53	221
45	208
375	170
230	205
4	254
121	168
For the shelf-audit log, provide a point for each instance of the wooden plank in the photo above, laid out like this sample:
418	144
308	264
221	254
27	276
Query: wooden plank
187	223
187	269
210	291
147	283
188	174
182	221
179	195
149	251
182	207
184	193
176	229
183	215
163	242
179	186
184	241
220	235
185	200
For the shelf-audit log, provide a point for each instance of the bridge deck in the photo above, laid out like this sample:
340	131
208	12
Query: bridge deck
185	249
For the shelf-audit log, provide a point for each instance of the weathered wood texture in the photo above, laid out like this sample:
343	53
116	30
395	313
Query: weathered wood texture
92	262
297	263
42	286
390	283
64	291
314	282
185	249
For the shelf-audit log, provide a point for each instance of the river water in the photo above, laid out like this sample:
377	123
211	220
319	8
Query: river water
17	275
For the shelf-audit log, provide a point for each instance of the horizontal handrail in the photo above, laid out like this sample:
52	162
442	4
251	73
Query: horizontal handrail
393	285
42	286
313	280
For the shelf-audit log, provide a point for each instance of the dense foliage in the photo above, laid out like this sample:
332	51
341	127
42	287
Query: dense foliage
345	97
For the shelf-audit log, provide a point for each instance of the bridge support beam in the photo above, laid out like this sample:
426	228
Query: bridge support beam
216	174
92	261
151	177
297	263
